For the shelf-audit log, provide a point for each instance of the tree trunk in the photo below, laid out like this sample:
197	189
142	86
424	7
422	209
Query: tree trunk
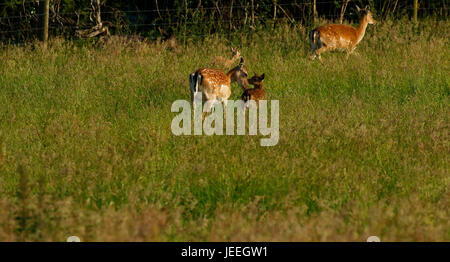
98	28
416	8
395	6
253	14
315	11
344	6
45	17
231	15
274	9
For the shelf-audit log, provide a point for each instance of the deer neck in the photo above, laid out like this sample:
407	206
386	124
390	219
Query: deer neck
235	76
234	58
231	73
361	29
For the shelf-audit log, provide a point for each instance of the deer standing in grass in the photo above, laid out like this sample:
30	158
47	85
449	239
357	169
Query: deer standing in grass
227	63
215	85
257	92
332	37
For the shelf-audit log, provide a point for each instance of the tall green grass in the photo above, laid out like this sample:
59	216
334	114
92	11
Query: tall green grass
86	147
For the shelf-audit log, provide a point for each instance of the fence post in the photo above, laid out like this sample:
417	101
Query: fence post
416	7
315	12
274	9
45	17
253	15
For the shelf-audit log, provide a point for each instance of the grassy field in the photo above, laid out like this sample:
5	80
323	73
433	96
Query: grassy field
86	147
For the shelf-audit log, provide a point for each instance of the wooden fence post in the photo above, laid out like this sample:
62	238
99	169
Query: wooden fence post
45	17
416	7
315	12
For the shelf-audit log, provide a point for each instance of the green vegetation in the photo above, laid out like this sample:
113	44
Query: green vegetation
86	147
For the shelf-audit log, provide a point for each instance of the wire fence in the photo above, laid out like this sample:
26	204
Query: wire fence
163	14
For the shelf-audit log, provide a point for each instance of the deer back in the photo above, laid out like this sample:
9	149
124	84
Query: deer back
337	36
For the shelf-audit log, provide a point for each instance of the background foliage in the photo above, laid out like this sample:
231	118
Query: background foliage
20	19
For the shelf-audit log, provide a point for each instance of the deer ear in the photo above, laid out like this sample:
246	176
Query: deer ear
262	76
357	8
232	49
367	8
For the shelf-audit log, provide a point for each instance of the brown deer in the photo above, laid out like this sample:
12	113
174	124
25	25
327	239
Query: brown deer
257	92
215	85
240	77
333	37
227	63
169	40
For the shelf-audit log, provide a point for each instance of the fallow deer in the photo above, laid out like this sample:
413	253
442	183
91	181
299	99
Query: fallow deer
169	40
227	63
336	36
240	77
215	84
257	92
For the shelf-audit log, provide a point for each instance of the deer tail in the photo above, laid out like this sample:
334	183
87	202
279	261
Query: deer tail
195	80
314	39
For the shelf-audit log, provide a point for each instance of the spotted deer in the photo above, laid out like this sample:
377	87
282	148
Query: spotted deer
257	92
215	85
227	63
336	36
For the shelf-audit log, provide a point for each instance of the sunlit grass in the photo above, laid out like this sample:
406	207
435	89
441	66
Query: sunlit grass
86	147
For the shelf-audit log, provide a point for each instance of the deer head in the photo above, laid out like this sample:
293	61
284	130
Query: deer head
235	54
367	14
239	74
256	80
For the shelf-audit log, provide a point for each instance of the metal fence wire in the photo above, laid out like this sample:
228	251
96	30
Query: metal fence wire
219	19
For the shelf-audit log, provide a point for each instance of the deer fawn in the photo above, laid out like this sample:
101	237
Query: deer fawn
215	84
227	63
257	92
332	37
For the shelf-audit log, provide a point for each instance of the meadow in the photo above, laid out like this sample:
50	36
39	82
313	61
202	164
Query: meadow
86	147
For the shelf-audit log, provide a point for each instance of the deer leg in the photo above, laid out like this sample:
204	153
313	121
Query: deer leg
225	102
244	106
207	109
252	103
210	99
354	52
315	52
320	51
313	55
203	115
350	51
210	106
